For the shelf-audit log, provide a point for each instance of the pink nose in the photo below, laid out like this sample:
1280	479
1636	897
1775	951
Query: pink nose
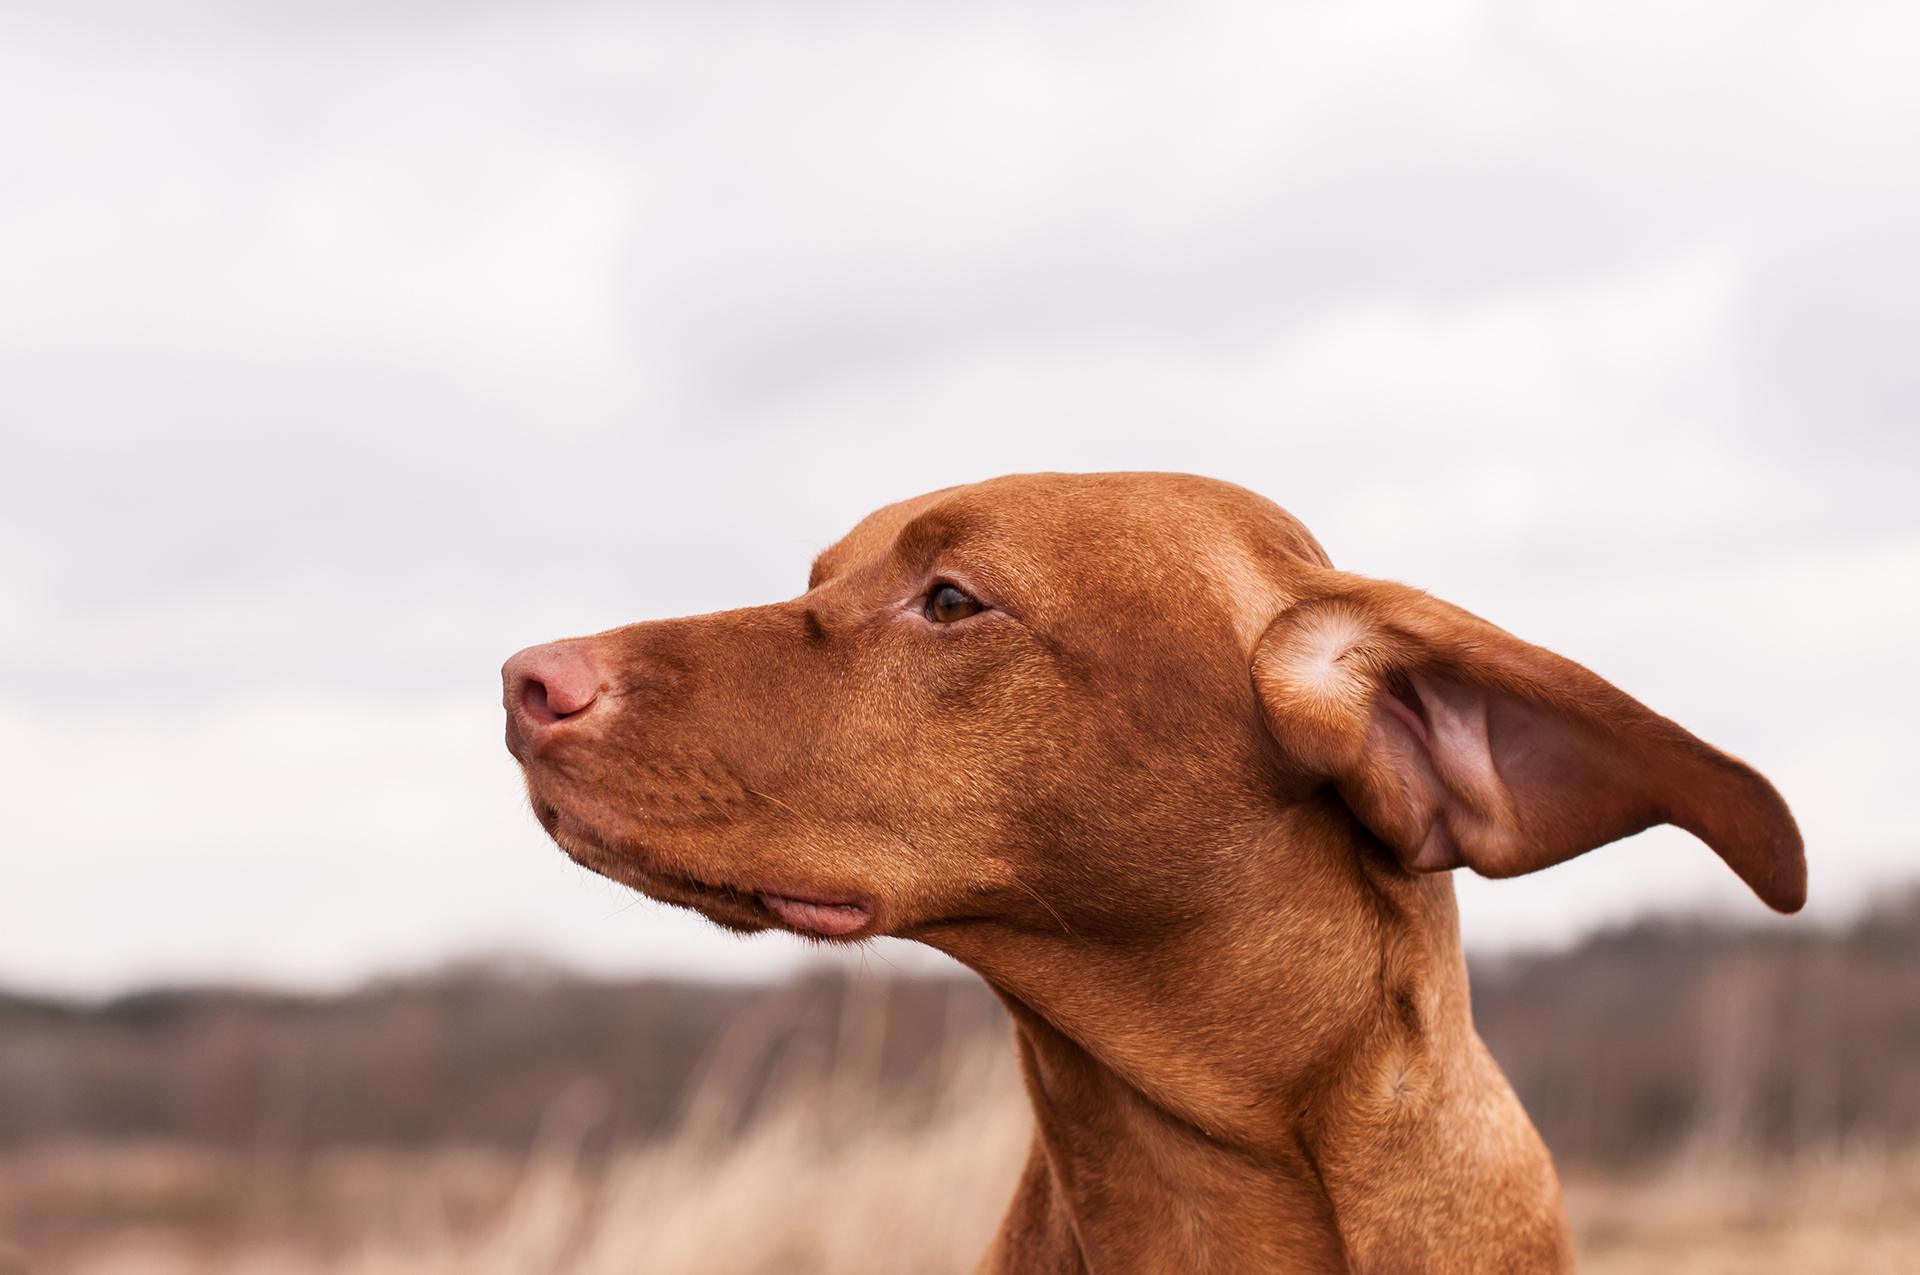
547	686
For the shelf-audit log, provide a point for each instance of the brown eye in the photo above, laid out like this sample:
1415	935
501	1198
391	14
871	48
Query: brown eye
945	604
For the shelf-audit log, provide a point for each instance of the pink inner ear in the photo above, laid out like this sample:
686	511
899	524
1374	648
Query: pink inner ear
1433	738
1501	784
1402	701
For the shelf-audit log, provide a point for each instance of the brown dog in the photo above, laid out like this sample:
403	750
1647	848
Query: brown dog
1186	797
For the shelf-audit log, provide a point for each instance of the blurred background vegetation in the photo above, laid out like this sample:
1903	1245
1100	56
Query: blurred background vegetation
1718	1098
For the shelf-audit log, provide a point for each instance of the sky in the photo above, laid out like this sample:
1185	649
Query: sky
346	348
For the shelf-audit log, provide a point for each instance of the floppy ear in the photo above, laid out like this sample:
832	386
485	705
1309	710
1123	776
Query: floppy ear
1456	743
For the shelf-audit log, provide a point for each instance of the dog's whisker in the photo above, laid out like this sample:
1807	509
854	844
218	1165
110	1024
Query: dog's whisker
1035	896
771	800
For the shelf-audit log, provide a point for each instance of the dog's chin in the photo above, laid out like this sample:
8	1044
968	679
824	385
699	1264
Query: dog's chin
723	905
742	908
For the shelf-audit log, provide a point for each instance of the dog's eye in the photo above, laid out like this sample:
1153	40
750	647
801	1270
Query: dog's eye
946	604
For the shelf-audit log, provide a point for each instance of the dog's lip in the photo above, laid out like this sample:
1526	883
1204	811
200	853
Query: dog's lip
808	912
815	915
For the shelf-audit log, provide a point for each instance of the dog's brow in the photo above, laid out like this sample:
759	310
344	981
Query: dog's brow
927	535
818	571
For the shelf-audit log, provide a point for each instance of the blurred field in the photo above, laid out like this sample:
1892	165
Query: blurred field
1719	1100
801	1193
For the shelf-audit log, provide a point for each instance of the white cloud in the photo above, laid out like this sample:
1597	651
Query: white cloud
343	351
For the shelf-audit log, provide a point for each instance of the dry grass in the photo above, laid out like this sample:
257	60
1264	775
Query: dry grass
1836	1213
823	1182
878	1127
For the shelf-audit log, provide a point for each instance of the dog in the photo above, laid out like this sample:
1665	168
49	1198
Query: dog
1188	799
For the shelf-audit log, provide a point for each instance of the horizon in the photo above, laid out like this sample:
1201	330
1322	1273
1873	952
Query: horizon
872	958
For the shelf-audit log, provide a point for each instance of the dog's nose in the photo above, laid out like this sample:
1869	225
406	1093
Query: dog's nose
548	686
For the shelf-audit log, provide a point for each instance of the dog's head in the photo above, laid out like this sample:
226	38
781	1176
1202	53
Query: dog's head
1061	702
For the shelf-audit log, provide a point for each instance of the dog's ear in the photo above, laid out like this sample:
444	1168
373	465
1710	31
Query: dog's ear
1457	744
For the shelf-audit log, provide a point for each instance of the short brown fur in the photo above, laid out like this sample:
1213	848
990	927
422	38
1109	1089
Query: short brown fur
1184	796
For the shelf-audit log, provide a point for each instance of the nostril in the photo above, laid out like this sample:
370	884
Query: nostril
533	699
547	704
568	698
549	684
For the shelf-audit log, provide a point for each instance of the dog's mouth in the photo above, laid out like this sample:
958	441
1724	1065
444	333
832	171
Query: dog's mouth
741	907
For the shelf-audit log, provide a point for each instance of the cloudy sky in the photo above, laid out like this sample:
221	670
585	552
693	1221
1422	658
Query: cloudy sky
347	347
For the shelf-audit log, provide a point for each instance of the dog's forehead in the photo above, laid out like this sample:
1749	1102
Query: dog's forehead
1093	531
874	537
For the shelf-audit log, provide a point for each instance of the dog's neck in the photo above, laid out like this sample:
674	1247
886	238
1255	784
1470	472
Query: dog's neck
1267	1089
